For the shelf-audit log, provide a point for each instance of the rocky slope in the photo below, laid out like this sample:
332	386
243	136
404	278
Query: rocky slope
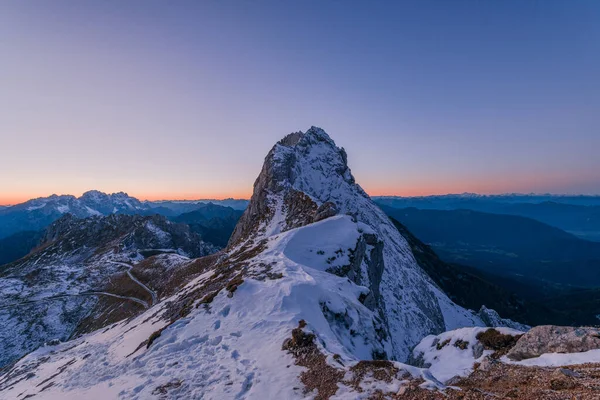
317	295
63	287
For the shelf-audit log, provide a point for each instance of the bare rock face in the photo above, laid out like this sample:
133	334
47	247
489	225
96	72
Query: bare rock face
326	210
555	339
493	319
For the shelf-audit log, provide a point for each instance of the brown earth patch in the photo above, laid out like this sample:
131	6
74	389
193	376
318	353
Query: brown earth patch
319	376
496	341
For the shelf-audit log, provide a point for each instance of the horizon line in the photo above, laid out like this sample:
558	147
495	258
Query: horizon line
219	198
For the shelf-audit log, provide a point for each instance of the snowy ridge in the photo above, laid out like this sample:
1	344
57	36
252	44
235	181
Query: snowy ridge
310	163
228	349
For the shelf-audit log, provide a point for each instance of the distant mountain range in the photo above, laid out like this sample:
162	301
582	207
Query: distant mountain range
22	226
36	214
451	200
505	244
579	215
540	263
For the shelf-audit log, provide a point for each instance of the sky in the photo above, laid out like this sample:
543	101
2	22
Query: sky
184	99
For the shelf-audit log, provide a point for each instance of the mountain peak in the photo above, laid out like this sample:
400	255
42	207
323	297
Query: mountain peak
304	175
305	179
314	134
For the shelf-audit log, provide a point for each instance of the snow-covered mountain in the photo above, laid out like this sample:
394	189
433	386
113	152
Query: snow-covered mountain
91	203
38	213
317	294
79	278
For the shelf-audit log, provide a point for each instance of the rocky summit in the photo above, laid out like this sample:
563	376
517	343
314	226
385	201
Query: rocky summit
317	295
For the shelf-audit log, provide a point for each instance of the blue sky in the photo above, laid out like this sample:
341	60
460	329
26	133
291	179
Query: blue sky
184	99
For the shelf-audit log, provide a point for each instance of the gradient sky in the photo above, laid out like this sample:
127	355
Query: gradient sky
183	99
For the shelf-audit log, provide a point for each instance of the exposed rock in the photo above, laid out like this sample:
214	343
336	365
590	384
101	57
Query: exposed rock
567	372
478	350
555	339
486	364
492	319
325	210
500	343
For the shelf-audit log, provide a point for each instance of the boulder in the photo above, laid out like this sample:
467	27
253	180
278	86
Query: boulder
555	339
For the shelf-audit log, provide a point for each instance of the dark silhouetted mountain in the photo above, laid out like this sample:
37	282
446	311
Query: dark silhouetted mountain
580	220
212	222
505	245
579	215
177	207
18	245
472	289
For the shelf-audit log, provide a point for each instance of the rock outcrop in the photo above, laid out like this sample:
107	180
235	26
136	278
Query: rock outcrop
555	339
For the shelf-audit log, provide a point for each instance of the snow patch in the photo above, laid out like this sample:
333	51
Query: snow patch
558	359
324	244
453	353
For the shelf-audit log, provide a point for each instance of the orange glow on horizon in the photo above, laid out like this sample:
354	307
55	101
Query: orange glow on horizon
524	183
9	200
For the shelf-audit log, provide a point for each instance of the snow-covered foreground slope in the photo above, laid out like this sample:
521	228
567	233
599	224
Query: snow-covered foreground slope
457	354
228	348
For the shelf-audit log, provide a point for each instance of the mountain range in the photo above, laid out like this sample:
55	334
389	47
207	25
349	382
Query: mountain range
37	214
79	277
311	248
579	215
316	294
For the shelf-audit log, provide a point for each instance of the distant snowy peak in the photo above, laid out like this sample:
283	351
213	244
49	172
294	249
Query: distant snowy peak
92	203
111	203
